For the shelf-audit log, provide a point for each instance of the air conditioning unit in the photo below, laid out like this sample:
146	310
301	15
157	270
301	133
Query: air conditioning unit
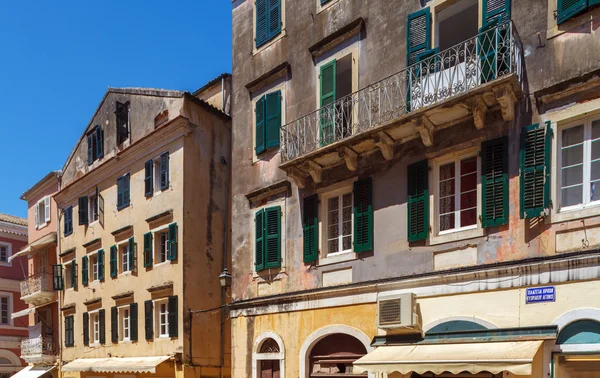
398	311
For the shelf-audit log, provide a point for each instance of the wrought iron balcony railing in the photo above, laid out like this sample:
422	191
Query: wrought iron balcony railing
41	345
37	283
437	77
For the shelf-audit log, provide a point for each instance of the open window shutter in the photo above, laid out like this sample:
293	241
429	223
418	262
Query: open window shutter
261	23
47	209
102	325
57	277
90	149
418	201
363	215
86	329
120	187
131	254
260	125
100	142
164	171
148	323
133	321
570	8
172	242
259	240
310	226
126	190
36	215
114	324
101	265
73	274
494	182
272	235
535	170
101	209
83	210
173	317
69	331
147	249
274	17
493	9
148	179
328	95
418	35
113	261
273	114
84	270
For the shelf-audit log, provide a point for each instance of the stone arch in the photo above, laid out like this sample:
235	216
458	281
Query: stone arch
14	361
258	356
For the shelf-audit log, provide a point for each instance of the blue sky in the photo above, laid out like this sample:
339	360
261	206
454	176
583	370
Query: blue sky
58	58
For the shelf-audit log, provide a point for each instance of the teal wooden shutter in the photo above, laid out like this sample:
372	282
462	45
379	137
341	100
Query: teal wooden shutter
114	325
259	240
69	331
418	34
173	316
100	141
84	270
363	215
57	277
261	32
272	235
570	8
493	9
120	188
164	171
535	170
328	96
148	322
147	249
310	226
273	119
113	261
494	182
274	17
131	254
101	265
86	329
260	125
90	150
593	2
126	190
133	321
73	274
102	326
83	210
172	242
148	178
418	201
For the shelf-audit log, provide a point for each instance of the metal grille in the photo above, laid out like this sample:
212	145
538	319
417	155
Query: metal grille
389	311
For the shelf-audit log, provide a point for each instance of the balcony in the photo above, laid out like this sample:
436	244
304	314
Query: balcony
37	289
39	349
443	89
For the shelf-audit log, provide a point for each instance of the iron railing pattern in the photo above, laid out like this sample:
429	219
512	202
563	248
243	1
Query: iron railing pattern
41	345
492	54
37	283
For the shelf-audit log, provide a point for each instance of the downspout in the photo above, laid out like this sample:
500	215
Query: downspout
223	95
224	306
60	294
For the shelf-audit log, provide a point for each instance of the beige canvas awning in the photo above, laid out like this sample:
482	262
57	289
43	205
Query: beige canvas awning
515	357
33	371
116	365
18	314
36	246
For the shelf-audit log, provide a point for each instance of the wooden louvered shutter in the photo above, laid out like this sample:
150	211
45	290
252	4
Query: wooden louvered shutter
83	210
86	329
73	274
164	171
113	261
535	170
570	8
260	138
101	265
57	277
272	235
261	32
147	249
418	201
100	142
84	270
328	95
172	242
114	324
494	182
133	321
273	119
148	178
148	323
102	326
131	254
493	9
173	316
418	34
126	190
274	17
363	215
90	149
310	226
259	240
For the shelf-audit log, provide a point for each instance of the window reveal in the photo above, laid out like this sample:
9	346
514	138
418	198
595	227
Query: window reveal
339	223
458	194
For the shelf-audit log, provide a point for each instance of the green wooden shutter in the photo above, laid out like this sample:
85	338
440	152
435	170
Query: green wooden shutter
101	265
172	242
114	271
535	170
148	323
363	215
90	150
57	277
131	254
120	189
84	270
147	249
126	190
73	274
273	119
570	8
86	329
102	326
310	226
260	125
164	171
69	331
261	32
173	316
494	182
272	237
418	201
133	321
328	95
259	240
99	142
274	18
83	210
114	324
495	9
418	34
148	178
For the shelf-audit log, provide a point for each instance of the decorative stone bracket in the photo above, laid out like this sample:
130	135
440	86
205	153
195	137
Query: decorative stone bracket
350	156
426	130
507	99
385	144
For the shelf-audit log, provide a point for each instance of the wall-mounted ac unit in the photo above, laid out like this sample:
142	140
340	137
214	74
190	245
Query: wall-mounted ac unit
398	311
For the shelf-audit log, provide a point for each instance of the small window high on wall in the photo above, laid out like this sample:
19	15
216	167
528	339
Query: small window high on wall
457	23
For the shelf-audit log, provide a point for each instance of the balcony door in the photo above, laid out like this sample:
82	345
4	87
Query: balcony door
42	267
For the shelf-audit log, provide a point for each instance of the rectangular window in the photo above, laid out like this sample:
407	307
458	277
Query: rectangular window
267	243
124	257
339	223
457	194
268	20
69	281
163	174
161	240
4	310
457	23
93	207
124	323
123	192
162	319
335	83
579	160
69	331
95	327
268	121
41	212
94	267
95	141
68	221
3	254
122	116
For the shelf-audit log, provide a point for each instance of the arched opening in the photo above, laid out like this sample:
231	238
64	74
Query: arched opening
580	332
457	325
334	355
268	356
579	342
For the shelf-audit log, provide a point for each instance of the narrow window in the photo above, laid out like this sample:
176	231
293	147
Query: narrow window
94	266
457	23
123	192
3	253
124	258
162	317
4	311
123	129
95	327
161	240
125	324
339	224
93	207
457	204
68	221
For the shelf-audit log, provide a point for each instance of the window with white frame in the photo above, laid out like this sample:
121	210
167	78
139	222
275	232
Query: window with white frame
457	194
124	257
5	252
161	240
124	324
579	164
95	327
162	318
69	281
339	222
94	266
93	207
41	212
4	310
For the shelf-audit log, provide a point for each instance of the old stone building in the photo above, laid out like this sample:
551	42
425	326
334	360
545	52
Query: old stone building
414	179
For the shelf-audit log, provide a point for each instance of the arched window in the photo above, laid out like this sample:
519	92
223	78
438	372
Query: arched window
268	357
456	325
335	354
580	332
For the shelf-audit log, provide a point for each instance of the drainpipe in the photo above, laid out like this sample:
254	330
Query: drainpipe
60	293
224	306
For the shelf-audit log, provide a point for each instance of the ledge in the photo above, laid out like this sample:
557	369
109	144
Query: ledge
92	301
158	216
269	191
343	34
262	81
126	294
90	243
585	86
161	287
68	251
70	306
122	230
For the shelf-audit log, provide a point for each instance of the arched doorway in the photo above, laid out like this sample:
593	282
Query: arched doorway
334	355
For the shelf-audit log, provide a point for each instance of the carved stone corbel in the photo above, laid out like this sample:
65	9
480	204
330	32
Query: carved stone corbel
426	130
296	175
315	170
385	144
479	108
350	156
507	99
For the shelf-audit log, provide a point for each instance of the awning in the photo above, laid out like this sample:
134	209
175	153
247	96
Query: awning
494	357
36	246
33	371
18	314
116	365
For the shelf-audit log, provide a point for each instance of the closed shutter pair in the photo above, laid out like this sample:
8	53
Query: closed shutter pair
268	20
85	267
123	196
69	331
133	323
171	245
172	318
268	121
570	8
95	141
114	266
267	247
163	165
101	327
